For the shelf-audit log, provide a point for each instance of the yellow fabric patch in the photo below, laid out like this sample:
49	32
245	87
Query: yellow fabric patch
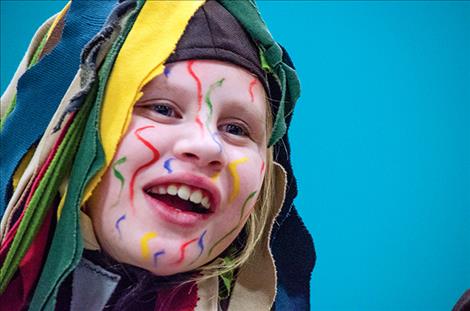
22	167
150	42
57	19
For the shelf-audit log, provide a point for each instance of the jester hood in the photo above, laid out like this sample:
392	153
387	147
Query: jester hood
60	130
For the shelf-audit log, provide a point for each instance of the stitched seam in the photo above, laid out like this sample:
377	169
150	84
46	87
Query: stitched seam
94	269
210	30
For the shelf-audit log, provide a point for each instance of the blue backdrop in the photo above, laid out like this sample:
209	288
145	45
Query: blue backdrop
380	139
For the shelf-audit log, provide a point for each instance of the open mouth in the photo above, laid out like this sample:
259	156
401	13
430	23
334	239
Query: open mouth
183	197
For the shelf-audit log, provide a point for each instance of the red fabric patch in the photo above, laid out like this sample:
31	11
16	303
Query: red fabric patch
17	294
179	298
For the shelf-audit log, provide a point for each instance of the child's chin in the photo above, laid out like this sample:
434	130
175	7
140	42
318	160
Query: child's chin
164	267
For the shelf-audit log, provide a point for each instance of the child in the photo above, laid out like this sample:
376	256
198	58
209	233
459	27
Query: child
167	151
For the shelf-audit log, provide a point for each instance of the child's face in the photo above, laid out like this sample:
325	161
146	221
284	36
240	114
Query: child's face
198	134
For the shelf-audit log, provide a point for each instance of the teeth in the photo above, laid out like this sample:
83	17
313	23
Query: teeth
196	196
172	189
205	202
184	192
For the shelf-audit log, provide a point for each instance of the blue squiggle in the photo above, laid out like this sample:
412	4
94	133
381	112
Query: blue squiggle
166	71
201	242
155	256
166	165
117	224
213	135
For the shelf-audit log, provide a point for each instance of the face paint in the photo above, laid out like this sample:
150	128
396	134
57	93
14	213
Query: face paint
119	176
123	217
232	166
209	105
262	167
155	257
199	92
183	248
167	166
215	176
213	136
208	97
144	247
166	71
156	156
117	173
234	228
250	89
200	243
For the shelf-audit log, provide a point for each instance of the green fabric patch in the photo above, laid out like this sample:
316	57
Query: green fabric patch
227	277
67	245
41	201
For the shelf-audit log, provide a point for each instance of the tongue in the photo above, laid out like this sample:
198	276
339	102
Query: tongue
176	202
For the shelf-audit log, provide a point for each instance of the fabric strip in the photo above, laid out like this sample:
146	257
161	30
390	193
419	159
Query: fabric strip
42	87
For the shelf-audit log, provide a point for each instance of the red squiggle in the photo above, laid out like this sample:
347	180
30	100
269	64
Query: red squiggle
156	156
199	93
201	126
198	82
182	249
262	167
250	89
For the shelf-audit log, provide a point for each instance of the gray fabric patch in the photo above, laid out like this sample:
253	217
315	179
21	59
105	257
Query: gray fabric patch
92	286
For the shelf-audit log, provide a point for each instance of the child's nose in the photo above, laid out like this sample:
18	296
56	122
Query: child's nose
204	151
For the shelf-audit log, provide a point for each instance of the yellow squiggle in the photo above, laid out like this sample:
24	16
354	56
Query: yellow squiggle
232	166
215	176
144	244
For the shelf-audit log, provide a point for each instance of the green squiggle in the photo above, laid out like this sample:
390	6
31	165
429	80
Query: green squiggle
234	228
117	173
208	96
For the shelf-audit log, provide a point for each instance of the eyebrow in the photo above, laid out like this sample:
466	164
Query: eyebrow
162	86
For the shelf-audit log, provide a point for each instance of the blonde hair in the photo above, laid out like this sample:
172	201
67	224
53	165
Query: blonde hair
257	223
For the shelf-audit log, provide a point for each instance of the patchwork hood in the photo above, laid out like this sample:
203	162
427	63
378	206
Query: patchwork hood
60	130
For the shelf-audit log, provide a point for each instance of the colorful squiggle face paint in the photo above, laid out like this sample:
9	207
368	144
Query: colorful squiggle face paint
167	165
188	195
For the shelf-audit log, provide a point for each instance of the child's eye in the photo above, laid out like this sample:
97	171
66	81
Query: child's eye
164	110
234	129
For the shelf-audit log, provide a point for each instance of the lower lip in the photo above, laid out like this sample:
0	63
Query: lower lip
174	215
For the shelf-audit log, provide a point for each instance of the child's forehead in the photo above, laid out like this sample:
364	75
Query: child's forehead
206	69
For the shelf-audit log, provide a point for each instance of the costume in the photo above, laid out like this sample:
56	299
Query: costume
60	128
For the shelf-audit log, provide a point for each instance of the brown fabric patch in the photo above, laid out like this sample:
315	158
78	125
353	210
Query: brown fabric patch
55	36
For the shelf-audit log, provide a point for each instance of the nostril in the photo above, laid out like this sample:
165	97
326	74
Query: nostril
189	155
215	164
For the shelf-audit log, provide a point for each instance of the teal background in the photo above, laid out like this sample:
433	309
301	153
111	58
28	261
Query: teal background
380	140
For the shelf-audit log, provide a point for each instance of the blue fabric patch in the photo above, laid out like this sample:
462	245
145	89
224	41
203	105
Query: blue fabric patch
43	86
92	286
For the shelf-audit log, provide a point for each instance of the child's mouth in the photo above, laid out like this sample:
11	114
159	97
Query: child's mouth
180	204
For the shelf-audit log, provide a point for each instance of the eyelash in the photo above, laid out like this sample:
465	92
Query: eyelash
156	107
245	132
